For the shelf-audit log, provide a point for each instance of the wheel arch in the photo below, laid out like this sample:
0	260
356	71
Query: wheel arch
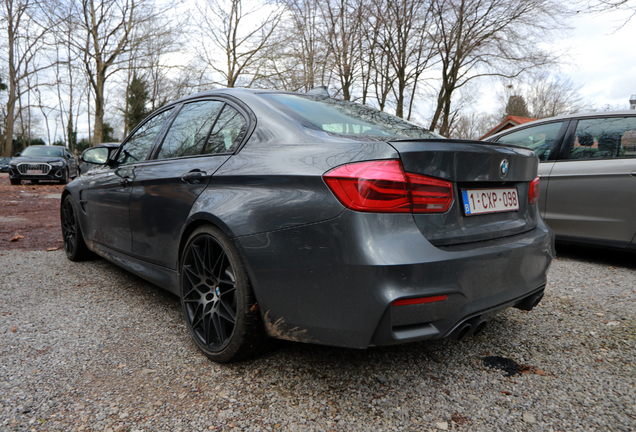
200	219
65	193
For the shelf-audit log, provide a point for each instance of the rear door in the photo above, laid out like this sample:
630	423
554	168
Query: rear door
201	138
592	192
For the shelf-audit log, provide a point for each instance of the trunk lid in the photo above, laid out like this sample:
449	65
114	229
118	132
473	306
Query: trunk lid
472	166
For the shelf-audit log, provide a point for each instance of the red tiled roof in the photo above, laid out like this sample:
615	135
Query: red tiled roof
520	120
509	121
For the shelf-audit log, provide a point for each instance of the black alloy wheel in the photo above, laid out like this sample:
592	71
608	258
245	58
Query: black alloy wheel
74	245
218	304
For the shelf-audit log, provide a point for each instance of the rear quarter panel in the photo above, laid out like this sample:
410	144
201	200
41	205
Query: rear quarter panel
268	187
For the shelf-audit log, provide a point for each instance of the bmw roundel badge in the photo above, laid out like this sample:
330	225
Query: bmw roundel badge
503	168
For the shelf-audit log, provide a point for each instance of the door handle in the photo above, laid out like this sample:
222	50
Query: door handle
193	177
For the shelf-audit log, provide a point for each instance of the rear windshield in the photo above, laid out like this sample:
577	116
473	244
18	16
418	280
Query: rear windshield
347	118
43	151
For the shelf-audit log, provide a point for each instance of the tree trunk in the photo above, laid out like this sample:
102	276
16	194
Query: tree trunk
99	109
7	148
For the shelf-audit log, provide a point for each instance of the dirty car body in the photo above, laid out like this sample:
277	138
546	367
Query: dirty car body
305	218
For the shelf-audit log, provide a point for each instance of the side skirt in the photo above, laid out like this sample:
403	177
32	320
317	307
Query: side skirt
165	278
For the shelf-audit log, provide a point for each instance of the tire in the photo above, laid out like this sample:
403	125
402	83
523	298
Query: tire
64	178
218	304
74	245
15	182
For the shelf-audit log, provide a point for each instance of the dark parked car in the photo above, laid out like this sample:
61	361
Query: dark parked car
588	175
306	218
4	164
110	149
43	162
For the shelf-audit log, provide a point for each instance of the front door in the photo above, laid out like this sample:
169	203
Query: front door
108	195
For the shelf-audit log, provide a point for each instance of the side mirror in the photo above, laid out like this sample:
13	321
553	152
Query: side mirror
98	156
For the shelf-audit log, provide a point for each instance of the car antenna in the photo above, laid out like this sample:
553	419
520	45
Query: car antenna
320	91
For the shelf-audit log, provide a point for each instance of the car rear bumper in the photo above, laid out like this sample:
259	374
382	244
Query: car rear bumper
335	282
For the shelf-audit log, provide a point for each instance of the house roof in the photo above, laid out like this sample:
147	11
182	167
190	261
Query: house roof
509	122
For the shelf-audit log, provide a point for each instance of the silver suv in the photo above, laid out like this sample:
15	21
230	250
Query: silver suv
588	175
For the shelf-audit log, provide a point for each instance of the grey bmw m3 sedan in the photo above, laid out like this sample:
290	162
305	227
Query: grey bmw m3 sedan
306	218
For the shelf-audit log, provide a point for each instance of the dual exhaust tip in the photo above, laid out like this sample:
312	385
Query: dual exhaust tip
471	327
475	325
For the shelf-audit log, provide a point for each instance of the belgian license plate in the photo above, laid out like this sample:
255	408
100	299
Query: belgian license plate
34	171
480	201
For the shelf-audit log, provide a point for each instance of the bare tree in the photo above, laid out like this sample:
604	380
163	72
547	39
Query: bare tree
24	40
375	69
69	81
473	125
150	58
105	37
300	65
478	38
545	95
549	96
404	39
343	20
222	25
603	6
147	62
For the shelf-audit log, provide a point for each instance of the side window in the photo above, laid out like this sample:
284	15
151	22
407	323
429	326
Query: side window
137	147
189	130
604	138
539	138
228	131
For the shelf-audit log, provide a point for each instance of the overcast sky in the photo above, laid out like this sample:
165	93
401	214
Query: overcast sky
602	60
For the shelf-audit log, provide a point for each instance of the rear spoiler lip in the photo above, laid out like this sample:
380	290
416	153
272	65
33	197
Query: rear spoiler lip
457	141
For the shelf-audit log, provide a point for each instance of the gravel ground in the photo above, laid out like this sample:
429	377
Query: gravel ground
87	346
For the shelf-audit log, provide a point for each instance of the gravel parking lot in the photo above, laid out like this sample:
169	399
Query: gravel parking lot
87	346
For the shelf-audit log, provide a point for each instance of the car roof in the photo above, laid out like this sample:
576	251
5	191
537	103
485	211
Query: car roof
596	114
232	91
237	92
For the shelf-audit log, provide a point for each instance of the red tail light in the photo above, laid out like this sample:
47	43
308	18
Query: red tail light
384	187
533	192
